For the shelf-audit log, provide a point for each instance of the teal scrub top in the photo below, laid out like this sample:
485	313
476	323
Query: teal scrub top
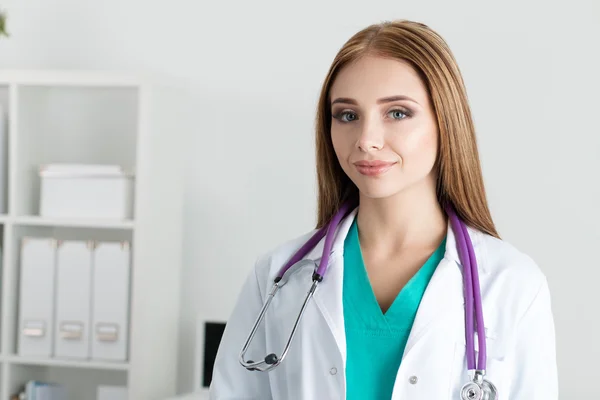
375	341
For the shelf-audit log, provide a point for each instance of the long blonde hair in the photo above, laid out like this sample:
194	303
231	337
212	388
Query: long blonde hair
460	181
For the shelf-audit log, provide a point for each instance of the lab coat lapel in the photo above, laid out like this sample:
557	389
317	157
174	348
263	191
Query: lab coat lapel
328	296
445	290
443	293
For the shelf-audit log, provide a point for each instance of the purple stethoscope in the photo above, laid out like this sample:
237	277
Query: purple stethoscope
478	388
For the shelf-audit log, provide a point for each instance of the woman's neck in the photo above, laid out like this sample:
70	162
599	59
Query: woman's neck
411	219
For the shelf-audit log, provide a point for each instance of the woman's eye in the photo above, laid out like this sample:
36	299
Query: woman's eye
350	116
346	116
399	114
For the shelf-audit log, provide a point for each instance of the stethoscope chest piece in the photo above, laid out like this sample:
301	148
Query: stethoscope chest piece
471	391
475	391
489	390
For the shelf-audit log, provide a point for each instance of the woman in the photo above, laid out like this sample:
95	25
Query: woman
395	140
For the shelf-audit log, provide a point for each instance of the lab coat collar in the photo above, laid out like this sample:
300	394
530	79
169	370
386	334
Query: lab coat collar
451	251
338	241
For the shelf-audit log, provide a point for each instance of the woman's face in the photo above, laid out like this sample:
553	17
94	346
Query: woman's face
383	127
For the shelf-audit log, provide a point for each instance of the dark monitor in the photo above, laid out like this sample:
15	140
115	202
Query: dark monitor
213	331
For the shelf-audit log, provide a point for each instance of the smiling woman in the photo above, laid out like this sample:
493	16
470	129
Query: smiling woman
404	257
381	134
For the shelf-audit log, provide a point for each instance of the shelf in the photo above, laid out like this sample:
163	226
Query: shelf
70	125
60	222
18	360
100	118
71	78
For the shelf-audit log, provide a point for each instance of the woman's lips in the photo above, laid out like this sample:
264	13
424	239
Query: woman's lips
373	168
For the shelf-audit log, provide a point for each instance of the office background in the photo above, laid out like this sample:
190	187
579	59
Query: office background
251	72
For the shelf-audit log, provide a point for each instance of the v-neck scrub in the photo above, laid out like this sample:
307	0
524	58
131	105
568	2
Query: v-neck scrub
375	341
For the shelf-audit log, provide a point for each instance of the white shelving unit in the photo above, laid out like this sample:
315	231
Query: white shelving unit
99	118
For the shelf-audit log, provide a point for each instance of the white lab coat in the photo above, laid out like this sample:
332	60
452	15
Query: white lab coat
517	310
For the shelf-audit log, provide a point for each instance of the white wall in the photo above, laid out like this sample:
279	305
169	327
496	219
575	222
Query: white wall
253	70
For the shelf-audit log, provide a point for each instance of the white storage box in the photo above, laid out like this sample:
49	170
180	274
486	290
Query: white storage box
86	191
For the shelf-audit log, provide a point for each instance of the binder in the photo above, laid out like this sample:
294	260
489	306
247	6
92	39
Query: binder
73	298
36	297
110	304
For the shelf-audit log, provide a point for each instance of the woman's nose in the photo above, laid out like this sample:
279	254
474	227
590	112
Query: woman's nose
371	137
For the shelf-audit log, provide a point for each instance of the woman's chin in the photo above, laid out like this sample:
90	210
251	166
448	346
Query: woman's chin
379	191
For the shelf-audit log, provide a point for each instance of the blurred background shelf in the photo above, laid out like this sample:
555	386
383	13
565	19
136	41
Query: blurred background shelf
48	362
26	220
100	118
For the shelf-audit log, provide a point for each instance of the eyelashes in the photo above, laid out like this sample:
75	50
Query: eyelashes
343	116
347	116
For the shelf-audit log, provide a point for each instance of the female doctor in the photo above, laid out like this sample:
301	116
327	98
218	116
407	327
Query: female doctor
395	142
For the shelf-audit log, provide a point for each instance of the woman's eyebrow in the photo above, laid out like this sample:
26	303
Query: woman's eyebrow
347	100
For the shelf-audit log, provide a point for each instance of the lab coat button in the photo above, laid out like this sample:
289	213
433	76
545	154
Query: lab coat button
413	380
333	371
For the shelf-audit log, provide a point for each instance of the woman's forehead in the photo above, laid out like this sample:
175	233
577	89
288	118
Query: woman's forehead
372	78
